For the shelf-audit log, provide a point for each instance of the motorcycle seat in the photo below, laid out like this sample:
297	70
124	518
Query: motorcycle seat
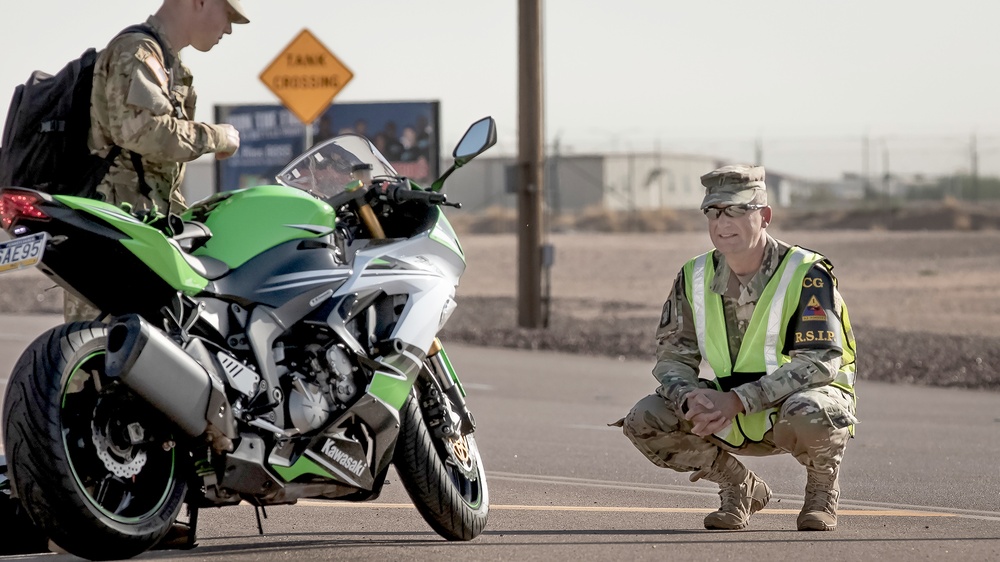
190	236
207	267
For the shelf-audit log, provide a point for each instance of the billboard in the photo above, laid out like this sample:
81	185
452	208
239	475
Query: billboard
406	133
270	137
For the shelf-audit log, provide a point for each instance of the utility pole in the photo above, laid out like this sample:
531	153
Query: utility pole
531	154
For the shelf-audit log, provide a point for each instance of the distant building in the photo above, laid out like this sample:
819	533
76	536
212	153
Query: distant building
579	181
573	182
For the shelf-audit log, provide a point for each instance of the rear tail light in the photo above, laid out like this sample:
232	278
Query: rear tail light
17	204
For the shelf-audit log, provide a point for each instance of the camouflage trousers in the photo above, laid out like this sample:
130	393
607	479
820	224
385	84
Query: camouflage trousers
813	426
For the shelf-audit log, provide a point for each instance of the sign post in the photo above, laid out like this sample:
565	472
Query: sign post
305	77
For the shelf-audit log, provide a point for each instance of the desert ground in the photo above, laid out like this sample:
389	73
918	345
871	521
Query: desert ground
925	305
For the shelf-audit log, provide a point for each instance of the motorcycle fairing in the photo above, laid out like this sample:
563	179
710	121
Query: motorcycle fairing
282	273
159	253
89	238
444	234
248	222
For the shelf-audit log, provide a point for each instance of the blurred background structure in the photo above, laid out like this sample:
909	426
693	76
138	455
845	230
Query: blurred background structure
622	174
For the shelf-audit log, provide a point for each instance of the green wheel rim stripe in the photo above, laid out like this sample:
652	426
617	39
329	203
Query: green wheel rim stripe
76	477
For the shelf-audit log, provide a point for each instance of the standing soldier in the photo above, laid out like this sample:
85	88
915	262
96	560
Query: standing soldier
768	319
143	101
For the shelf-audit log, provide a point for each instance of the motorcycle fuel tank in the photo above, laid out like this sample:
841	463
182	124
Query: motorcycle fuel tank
247	222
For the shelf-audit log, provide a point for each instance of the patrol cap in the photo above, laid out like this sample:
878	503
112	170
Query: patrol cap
241	16
734	185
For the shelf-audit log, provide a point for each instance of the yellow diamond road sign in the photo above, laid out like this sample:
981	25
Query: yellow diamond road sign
306	76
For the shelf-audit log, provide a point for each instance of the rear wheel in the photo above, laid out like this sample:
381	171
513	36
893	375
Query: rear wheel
93	465
443	476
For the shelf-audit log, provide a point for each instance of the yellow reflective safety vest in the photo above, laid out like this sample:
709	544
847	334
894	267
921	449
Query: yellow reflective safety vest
761	350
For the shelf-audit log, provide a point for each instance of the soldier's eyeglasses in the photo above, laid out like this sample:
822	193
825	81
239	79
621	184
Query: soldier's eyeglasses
732	211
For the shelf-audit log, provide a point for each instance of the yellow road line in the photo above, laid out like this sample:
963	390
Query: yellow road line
620	509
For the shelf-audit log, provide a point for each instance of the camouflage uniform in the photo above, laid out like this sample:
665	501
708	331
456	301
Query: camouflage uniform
133	106
814	417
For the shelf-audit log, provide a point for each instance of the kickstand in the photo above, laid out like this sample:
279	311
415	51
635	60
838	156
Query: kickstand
193	523
257	510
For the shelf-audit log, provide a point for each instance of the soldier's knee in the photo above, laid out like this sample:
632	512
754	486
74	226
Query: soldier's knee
648	418
811	419
818	407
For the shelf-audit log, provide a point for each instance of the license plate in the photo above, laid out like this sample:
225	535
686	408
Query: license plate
22	252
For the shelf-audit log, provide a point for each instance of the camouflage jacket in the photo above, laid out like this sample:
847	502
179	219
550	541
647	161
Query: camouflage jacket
814	362
131	107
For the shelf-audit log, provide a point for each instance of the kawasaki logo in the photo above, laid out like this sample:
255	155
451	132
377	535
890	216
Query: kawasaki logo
347	461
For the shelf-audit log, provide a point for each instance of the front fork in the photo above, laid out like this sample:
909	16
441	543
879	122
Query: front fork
444	381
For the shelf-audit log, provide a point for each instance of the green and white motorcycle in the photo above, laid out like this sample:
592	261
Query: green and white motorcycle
277	343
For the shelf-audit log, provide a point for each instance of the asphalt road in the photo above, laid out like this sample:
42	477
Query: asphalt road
920	482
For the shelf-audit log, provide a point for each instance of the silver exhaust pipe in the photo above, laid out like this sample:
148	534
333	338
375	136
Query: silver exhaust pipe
158	370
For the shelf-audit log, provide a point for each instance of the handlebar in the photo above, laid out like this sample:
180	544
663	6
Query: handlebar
391	193
401	193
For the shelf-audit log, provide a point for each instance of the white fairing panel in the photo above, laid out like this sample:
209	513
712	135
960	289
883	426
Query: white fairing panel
424	269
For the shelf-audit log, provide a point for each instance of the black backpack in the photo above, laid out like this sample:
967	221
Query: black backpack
44	143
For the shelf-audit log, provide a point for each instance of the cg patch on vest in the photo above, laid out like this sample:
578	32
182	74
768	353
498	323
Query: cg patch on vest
814	311
812	282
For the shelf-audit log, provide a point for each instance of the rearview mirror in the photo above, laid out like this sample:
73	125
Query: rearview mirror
480	136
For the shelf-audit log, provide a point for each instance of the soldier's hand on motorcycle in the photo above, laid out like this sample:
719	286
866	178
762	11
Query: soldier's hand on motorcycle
231	143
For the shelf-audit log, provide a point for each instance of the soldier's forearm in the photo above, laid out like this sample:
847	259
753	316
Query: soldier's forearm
167	139
676	381
807	369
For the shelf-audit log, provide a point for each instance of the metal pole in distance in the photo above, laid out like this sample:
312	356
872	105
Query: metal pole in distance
530	159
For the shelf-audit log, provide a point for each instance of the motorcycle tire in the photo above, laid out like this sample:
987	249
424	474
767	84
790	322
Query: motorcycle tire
94	491
454	503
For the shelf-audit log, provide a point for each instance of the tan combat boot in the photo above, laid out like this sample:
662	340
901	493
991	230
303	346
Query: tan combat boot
819	512
742	493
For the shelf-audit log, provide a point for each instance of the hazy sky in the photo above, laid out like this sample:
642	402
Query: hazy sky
808	78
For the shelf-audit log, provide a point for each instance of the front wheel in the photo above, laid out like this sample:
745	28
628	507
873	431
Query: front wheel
96	470
444	477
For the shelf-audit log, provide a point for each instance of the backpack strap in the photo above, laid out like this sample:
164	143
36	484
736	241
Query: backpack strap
144	188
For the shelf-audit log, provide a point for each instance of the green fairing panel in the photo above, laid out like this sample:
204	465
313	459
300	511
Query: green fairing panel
444	234
146	242
390	389
302	466
249	221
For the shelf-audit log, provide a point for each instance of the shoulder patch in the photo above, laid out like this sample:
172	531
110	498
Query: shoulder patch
814	311
665	316
156	67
